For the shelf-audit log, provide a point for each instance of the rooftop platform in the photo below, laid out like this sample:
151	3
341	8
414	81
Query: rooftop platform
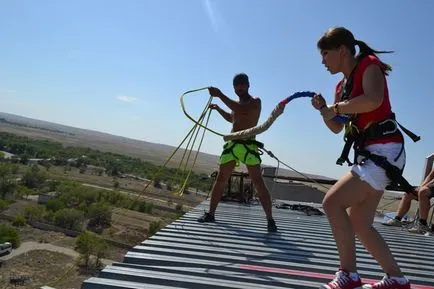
237	252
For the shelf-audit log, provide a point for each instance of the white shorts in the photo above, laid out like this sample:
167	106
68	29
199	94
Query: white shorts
375	175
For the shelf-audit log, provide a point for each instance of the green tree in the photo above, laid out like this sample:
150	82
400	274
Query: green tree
99	215
34	177
71	219
145	207
100	250
19	221
89	245
24	191
24	159
14	168
84	245
55	205
7	188
9	234
154	227
8	184
3	205
34	213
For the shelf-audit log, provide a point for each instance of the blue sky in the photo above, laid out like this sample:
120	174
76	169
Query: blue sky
121	66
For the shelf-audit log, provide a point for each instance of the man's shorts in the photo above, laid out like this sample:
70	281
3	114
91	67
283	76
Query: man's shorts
246	153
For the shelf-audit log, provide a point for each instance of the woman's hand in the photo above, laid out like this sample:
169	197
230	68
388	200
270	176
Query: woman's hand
318	101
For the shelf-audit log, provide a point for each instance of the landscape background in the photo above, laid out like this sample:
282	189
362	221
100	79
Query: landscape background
147	151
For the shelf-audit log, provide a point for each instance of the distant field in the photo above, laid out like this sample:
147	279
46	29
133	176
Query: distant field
147	151
70	136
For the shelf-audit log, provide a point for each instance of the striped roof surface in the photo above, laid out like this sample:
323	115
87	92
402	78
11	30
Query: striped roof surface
237	252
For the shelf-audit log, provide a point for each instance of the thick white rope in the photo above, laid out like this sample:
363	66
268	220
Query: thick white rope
247	133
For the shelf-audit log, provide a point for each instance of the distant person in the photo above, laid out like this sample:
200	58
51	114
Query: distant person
351	203
244	114
423	194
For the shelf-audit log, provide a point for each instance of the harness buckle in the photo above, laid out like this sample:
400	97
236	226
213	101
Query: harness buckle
386	132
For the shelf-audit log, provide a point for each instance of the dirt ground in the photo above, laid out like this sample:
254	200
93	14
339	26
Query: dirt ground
128	227
132	186
28	233
43	268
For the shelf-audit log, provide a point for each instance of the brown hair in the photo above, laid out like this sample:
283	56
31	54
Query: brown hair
337	36
241	78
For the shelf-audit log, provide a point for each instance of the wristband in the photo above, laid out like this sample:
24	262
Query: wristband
336	108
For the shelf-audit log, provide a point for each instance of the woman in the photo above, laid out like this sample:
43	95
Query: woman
351	203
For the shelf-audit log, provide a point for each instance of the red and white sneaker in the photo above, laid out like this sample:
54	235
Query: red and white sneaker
344	280
390	283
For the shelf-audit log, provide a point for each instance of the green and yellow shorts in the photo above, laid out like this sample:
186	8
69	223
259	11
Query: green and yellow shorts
244	151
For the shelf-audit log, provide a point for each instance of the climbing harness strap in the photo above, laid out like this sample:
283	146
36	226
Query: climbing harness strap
386	128
392	172
356	138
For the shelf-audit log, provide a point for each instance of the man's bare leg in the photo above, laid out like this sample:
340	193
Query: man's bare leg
223	176
404	205
421	227
263	194
403	208
424	193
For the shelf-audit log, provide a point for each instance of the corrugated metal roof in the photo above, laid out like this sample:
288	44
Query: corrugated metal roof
237	252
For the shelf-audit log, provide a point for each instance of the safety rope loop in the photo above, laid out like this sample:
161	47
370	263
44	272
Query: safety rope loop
190	133
190	117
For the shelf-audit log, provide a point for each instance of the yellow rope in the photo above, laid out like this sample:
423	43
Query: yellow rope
192	119
192	130
201	118
164	165
181	191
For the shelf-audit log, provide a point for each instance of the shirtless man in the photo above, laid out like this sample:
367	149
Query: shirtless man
245	114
